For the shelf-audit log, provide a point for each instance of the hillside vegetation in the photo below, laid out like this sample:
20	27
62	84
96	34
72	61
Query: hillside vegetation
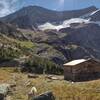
14	48
41	65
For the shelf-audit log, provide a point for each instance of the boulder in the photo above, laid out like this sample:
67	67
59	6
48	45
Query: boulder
45	96
52	77
32	76
2	96
4	89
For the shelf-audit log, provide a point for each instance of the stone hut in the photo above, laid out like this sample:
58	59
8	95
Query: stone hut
82	70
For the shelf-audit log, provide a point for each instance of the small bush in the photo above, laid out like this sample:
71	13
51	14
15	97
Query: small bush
42	65
8	54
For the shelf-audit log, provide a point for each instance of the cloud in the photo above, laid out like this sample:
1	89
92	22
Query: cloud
7	7
61	2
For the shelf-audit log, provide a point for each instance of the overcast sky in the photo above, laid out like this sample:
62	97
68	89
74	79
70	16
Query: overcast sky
9	6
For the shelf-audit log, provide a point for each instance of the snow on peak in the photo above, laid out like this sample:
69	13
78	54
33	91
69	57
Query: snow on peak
94	12
75	20
48	25
65	24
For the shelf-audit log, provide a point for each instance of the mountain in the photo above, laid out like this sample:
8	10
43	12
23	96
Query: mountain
32	16
54	35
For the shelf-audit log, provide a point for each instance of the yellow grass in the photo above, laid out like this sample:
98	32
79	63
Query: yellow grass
4	75
62	90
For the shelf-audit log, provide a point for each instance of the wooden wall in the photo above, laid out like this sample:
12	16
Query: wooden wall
82	72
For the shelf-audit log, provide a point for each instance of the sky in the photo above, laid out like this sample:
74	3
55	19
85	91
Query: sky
9	6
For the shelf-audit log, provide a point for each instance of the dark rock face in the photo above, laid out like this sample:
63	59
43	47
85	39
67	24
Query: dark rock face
9	30
86	38
84	35
96	16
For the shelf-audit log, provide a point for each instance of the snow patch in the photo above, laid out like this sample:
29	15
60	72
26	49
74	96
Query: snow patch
75	20
94	12
48	26
65	24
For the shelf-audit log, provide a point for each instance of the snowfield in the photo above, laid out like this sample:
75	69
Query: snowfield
94	12
48	26
65	24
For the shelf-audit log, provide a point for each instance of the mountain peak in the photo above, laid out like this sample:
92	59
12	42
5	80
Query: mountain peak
32	16
93	7
31	7
34	8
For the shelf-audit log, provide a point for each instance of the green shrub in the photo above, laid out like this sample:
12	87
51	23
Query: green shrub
41	65
8	53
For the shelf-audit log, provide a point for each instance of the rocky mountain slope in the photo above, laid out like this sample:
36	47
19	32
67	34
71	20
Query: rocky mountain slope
10	31
86	37
94	16
62	37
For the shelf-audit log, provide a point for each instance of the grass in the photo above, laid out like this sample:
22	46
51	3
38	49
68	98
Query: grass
27	44
5	74
62	90
6	40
